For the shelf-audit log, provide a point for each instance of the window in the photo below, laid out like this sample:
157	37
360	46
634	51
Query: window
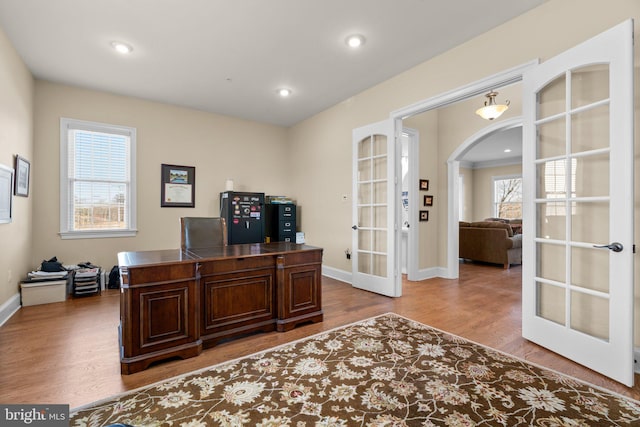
555	186
97	180
507	197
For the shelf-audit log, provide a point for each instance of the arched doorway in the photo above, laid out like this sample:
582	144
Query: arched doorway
453	172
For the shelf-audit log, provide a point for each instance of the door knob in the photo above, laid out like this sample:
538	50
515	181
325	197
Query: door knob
355	227
615	247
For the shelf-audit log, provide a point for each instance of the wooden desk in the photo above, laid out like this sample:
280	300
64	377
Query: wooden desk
175	303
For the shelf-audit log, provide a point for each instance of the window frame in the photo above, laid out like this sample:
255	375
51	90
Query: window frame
67	124
494	204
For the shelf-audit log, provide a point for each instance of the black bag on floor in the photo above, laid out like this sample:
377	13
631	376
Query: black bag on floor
114	278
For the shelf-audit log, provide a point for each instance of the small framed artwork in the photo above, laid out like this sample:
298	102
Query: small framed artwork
178	186
424	184
23	168
428	200
424	215
6	193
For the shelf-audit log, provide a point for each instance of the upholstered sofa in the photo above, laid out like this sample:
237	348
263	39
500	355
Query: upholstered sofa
490	241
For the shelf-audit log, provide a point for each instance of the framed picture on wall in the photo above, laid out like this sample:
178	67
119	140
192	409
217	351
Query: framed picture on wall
178	186
424	184
428	200
424	215
23	169
6	193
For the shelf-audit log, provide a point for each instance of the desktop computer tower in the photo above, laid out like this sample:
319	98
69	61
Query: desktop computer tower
244	214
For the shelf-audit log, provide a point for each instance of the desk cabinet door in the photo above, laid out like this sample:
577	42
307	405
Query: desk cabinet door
166	314
165	318
299	289
237	302
157	307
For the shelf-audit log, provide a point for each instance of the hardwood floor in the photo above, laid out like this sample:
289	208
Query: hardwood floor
68	352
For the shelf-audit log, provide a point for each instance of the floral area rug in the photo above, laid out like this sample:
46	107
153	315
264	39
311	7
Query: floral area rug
383	371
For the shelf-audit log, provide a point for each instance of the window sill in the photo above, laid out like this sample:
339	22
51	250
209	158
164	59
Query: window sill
97	234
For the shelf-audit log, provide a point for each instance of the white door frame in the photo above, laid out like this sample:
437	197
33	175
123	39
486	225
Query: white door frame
412	234
479	87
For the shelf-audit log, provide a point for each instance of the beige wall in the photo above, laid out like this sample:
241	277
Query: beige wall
427	124
219	147
327	136
468	194
16	124
482	182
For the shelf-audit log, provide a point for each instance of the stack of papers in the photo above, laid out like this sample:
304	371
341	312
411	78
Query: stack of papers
87	272
48	275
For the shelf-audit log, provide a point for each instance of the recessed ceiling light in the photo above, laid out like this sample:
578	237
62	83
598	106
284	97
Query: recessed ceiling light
121	47
507	150
355	41
284	92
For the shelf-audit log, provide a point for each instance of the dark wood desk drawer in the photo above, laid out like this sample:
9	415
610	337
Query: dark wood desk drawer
302	258
236	265
146	276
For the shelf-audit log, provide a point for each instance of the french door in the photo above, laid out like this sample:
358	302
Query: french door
578	200
376	209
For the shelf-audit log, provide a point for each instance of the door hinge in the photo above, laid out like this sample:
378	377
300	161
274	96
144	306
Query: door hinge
634	248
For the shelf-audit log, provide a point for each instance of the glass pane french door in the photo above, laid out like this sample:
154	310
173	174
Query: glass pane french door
374	206
578	264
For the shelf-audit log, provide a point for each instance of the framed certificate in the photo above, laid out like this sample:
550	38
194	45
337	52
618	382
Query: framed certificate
178	186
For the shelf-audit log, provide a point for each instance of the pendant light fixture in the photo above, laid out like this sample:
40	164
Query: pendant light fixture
491	110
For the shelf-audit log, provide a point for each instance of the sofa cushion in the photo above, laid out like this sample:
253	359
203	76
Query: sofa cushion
493	224
516	241
465	224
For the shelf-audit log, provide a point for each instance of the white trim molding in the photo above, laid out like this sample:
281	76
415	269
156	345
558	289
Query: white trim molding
503	78
9	308
335	273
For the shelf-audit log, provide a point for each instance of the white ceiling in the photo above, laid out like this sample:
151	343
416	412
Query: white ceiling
490	151
230	56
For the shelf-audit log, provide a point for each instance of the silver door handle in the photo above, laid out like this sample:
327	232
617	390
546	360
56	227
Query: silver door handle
615	247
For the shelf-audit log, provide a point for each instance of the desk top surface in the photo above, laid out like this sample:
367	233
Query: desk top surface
171	256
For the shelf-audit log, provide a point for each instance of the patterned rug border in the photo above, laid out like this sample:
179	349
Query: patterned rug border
521	359
75	410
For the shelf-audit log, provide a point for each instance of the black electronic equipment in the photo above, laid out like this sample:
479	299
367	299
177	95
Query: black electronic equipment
244	214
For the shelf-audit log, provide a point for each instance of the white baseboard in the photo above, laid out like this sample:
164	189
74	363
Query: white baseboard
334	273
9	308
430	273
346	276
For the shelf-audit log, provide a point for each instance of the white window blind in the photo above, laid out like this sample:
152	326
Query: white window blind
97	186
